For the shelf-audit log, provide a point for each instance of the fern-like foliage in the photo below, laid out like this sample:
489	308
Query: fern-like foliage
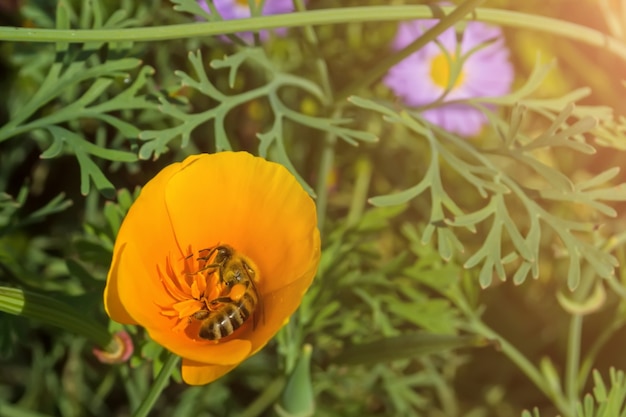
611	133
516	212
606	401
534	413
85	82
12	217
156	141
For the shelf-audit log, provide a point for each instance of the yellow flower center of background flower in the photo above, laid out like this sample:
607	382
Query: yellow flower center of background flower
440	71
245	2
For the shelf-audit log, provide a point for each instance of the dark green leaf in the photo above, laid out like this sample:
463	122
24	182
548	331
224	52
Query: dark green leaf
406	346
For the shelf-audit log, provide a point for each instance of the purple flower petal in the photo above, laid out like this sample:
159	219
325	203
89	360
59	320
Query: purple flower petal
486	72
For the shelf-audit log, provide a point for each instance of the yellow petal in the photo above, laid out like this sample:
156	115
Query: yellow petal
277	307
143	295
231	352
195	373
139	288
251	204
235	199
147	213
112	301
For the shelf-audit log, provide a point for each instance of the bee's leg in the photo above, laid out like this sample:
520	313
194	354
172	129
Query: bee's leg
208	256
201	314
209	266
259	311
223	300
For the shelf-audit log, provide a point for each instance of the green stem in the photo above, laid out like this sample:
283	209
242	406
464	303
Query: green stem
157	387
361	188
328	150
53	312
523	364
574	339
268	397
256	8
590	358
317	17
514	355
232	37
573	361
326	165
322	69
447	397
616	324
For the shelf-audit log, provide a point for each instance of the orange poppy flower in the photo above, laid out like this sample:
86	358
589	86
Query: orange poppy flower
195	224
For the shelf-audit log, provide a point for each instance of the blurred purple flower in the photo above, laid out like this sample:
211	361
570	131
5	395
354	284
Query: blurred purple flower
238	9
422	78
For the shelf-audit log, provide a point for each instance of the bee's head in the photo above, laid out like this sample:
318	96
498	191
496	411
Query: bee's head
222	254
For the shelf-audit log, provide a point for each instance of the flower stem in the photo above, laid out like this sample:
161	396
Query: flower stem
316	17
269	396
599	342
514	355
326	165
51	311
383	65
573	361
322	69
363	170
574	339
328	150
526	367
157	387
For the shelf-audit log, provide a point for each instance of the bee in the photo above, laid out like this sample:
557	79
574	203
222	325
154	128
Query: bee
239	300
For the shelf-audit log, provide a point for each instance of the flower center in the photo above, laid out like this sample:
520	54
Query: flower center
193	284
245	2
440	71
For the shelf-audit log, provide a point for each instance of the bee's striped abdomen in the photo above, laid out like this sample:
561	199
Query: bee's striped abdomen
228	318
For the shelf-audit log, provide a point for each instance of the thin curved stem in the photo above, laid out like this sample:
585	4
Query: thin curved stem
328	150
573	361
372	75
320	64
326	165
530	370
589	359
363	168
268	397
157	387
317	17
